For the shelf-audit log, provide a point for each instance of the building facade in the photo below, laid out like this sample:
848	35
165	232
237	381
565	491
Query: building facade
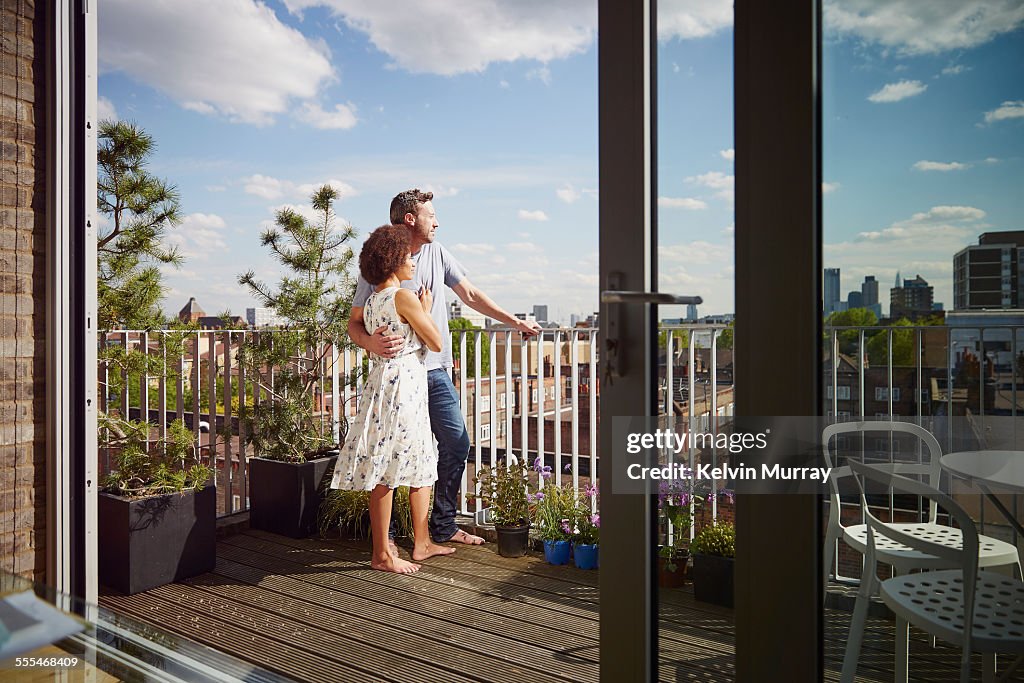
914	299
988	275
831	290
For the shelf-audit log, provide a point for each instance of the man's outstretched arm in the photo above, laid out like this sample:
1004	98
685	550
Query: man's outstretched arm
481	303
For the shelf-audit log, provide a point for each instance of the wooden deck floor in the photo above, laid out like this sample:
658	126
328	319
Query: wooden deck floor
313	610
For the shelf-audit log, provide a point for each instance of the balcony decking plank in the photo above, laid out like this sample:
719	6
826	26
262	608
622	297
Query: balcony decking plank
312	610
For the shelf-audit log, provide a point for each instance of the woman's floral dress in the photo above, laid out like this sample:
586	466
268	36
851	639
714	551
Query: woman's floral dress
389	441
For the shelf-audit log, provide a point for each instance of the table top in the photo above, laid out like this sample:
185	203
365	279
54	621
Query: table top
1003	469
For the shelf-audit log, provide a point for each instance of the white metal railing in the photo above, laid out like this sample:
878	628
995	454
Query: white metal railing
532	398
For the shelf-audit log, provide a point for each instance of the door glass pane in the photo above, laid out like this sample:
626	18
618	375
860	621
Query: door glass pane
695	218
923	297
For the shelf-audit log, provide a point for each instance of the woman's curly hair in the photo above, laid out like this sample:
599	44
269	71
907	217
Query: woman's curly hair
383	253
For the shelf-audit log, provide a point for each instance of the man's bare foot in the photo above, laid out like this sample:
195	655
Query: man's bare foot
393	563
430	549
464	538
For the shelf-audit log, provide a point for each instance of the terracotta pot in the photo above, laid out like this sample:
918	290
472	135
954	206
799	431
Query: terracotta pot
672	579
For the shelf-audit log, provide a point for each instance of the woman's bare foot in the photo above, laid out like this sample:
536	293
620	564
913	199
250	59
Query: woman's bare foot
430	549
393	563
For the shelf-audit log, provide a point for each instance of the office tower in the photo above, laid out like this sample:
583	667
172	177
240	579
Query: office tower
540	313
913	300
831	290
854	300
988	274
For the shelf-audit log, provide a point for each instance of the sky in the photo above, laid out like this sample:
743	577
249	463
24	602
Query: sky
493	107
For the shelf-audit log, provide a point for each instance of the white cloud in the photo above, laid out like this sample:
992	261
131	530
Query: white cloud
342	118
233	58
991	160
686	19
198	236
827	188
541	73
723	184
441	190
532	215
911	27
1007	110
264	186
940	166
894	92
216	188
503	84
568	194
465	36
105	109
955	70
273	188
682	203
938	220
728	154
526	247
479	248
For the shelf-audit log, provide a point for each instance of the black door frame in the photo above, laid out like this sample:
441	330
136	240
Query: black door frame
778	253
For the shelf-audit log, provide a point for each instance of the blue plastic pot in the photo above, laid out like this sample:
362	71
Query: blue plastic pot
585	555
557	552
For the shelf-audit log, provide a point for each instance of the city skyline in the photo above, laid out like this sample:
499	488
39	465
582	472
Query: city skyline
494	108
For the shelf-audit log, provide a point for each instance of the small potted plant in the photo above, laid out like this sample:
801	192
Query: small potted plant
295	447
674	503
553	511
503	491
588	530
157	507
714	550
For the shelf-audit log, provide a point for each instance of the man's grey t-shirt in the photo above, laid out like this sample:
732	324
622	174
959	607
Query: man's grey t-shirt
435	268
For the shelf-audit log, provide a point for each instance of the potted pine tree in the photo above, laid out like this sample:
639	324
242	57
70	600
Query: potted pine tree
157	507
293	442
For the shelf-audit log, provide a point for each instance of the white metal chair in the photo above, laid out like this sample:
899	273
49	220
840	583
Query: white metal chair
978	610
992	552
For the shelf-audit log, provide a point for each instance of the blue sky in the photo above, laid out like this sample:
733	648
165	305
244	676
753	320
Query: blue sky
494	107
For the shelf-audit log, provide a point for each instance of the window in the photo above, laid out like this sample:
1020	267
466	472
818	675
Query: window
843	392
882	393
924	396
485	432
533	395
502	401
485	403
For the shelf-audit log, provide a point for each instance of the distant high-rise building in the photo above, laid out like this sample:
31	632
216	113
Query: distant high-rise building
854	300
869	296
990	274
457	309
913	300
263	317
831	290
691	311
573	319
540	313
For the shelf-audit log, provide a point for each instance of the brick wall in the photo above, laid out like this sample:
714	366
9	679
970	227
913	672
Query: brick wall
22	290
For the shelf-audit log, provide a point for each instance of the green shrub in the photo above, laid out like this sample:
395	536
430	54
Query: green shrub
719	539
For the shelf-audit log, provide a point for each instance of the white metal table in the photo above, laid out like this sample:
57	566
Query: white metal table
1002	470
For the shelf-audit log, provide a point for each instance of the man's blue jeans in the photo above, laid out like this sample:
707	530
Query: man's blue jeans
452	451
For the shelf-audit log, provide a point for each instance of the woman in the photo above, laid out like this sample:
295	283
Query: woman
389	443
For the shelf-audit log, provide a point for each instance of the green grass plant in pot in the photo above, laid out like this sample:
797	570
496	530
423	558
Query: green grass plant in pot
503	492
714	552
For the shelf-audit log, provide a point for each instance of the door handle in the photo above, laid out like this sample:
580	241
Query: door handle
614	364
617	296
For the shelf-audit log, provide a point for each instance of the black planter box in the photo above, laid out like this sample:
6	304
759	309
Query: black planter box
712	579
147	542
284	497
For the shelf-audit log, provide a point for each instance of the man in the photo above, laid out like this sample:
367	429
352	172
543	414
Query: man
435	268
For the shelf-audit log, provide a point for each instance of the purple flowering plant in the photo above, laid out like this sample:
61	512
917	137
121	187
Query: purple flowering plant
552	508
674	500
588	521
